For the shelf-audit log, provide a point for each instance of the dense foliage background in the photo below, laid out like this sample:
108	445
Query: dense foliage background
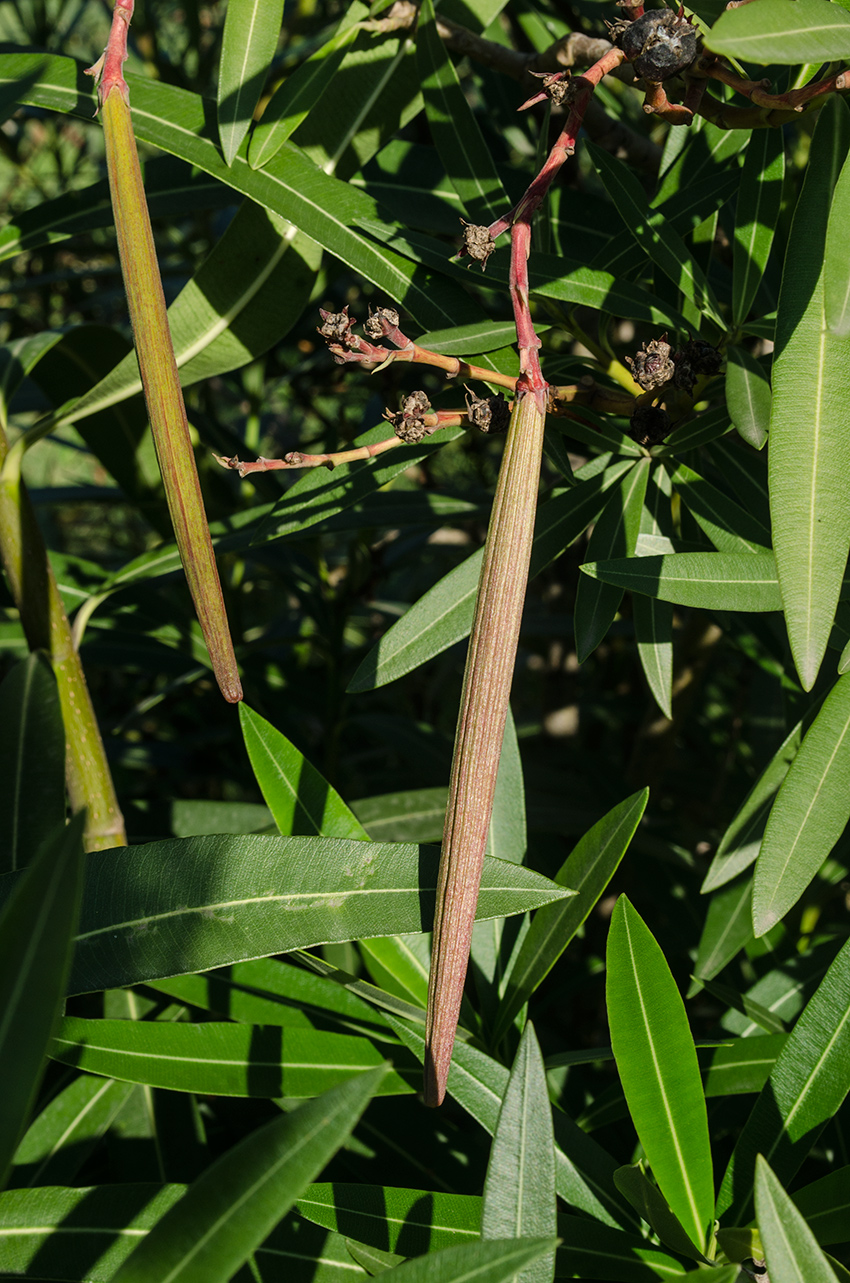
695	698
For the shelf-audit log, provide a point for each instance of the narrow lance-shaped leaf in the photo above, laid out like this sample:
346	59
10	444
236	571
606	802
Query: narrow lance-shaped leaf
249	40
299	798
36	940
176	907
757	211
519	1192
587	871
658	241
807	1085
32	761
658	1068
809	815
791	1249
301	91
811	374
481	725
783	31
156	355
748	393
837	285
453	127
232	1207
615	534
711	580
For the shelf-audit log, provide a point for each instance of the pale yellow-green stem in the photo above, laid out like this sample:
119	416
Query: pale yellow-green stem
33	588
481	724
157	366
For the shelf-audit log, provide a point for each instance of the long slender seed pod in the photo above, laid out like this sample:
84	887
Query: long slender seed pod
481	726
33	587
155	352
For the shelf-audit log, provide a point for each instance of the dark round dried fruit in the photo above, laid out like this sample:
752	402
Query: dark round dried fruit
704	357
659	45
649	425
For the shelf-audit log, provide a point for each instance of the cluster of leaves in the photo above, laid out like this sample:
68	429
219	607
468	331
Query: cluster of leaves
189	1042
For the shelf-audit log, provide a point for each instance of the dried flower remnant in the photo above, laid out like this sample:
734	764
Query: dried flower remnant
650	425
653	364
336	327
477	243
490	414
408	423
380	322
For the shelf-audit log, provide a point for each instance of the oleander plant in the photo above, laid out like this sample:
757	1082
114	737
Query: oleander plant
424	704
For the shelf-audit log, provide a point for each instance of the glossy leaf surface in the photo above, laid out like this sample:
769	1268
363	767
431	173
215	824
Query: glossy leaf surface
790	1247
174	907
231	1208
809	815
658	1068
712	580
519	1192
811	371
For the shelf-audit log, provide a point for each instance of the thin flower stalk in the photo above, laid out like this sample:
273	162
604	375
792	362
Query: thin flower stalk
155	352
35	593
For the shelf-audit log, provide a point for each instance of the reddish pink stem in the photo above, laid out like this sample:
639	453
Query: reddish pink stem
109	68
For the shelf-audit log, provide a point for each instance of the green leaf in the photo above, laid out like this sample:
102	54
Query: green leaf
220	1059
658	1068
298	796
301	91
825	1205
443	615
417	815
495	1262
757	213
86	1233
32	761
656	238
807	1085
36	933
791	1249
235	1204
583	1170
243	299
728	928
783	31
325	208
744	1066
836	284
615	534
63	1135
269	992
416	1220
649	1202
811	372
711	580
587	871
729	526
748	394
741	842
519	1192
172	907
653	622
249	41
453	127
809	814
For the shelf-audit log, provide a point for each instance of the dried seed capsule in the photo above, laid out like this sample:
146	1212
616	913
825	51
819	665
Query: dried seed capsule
652	365
408	423
375	327
704	357
336	325
659	45
477	242
650	425
488	413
